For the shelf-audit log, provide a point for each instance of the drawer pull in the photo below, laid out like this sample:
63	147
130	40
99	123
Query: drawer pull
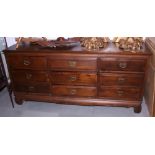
123	65
73	91
72	78
31	88
121	80
28	76
120	92
72	63
26	62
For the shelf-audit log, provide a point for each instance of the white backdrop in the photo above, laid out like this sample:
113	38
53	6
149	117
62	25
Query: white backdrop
10	41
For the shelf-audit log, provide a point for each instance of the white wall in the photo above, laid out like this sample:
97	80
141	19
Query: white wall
10	41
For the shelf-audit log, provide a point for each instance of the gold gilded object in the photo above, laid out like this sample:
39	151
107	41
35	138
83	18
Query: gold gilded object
94	43
129	43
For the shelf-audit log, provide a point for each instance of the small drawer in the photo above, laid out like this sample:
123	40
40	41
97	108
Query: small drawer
29	76
72	64
122	64
74	78
27	62
74	91
33	88
112	79
128	93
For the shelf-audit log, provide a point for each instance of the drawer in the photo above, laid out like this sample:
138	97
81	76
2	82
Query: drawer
122	64
78	91
111	79
33	88
27	62
72	64
128	93
29	76
74	78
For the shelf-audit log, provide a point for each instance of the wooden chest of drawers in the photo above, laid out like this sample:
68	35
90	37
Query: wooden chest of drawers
108	77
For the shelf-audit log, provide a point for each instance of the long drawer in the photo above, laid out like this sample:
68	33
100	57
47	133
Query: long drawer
72	64
32	88
29	76
122	64
77	91
27	62
112	79
73	78
128	93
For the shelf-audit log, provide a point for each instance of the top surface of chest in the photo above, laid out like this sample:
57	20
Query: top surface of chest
111	48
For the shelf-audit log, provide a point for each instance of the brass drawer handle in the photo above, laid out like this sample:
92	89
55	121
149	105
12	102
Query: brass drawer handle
72	63
121	79
72	78
73	91
26	62
123	65
120	92
31	88
28	76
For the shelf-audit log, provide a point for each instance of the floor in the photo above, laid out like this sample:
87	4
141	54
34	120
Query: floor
39	109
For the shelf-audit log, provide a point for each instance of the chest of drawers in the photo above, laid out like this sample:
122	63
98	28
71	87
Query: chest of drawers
108	77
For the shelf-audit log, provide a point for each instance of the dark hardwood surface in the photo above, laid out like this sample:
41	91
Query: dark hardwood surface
110	49
2	76
149	93
109	77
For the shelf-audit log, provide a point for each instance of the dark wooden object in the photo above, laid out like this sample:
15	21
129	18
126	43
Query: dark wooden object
107	77
2	77
149	92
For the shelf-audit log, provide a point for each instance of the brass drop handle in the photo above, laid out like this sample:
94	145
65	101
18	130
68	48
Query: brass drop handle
27	62
72	78
73	91
121	79
31	88
122	65
28	76
120	92
72	63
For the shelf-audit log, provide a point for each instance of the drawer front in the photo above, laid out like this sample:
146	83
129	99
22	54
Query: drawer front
72	64
74	91
128	93
33	88
29	76
122	64
74	78
27	62
108	79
